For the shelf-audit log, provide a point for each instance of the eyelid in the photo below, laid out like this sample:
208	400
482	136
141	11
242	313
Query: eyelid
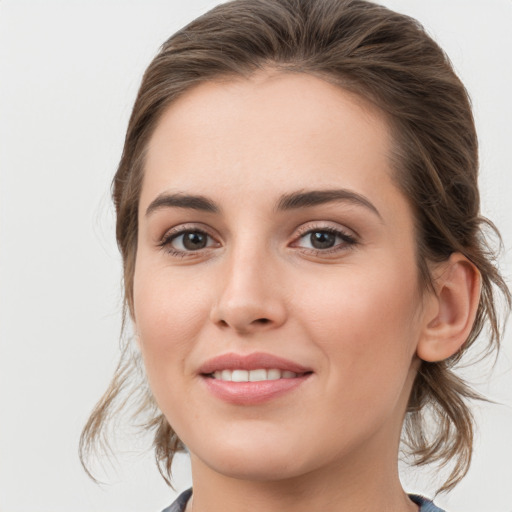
171	234
349	238
334	227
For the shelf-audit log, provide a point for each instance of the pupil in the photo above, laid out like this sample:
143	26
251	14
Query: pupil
322	239
194	241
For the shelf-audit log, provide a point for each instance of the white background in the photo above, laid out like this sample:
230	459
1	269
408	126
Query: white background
69	71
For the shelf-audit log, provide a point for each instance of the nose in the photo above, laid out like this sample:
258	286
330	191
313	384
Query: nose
251	297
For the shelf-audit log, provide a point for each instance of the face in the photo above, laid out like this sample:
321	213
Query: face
276	292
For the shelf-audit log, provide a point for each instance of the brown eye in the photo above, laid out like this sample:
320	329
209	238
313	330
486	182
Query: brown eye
325	240
190	240
194	240
322	239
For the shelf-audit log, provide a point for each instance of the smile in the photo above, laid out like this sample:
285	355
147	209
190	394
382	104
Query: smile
252	379
257	375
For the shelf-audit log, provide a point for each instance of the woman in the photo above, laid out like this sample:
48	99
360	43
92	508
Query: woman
304	259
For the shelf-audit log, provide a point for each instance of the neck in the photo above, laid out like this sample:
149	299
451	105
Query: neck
359	485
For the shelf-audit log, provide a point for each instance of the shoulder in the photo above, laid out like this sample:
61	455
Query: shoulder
425	504
180	503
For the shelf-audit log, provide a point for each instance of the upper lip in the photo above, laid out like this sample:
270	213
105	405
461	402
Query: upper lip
254	361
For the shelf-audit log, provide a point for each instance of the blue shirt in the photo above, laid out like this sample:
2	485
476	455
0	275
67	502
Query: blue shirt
181	502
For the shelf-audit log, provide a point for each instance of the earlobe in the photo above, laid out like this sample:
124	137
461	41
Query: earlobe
452	311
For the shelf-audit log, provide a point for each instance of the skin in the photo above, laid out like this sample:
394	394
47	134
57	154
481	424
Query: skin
354	313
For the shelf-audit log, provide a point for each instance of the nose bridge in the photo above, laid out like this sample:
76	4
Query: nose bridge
248	296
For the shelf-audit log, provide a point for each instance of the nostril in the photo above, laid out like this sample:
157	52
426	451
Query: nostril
262	321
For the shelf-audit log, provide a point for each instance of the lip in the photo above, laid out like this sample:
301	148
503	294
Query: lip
254	361
252	393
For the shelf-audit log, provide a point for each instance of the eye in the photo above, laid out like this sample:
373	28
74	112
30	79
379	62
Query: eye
325	240
187	241
321	239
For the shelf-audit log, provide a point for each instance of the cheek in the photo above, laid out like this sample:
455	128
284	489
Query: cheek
367	332
366	321
169	315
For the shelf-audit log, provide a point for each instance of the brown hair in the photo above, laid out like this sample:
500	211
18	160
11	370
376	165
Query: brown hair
388	59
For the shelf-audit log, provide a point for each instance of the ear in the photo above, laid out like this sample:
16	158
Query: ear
451	309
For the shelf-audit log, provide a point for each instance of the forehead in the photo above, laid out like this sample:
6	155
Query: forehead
269	133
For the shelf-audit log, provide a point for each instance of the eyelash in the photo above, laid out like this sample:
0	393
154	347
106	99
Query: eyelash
348	241
171	236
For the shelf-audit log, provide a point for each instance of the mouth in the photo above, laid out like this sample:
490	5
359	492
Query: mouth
252	379
254	363
258	375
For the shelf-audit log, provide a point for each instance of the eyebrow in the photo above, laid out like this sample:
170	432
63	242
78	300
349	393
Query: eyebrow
292	201
178	200
312	198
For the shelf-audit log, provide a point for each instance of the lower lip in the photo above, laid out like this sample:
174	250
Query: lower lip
252	393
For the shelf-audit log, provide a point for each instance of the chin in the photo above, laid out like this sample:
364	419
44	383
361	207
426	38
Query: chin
249	459
261	469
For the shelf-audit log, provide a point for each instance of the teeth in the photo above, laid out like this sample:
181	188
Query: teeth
240	376
257	375
253	375
273	374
